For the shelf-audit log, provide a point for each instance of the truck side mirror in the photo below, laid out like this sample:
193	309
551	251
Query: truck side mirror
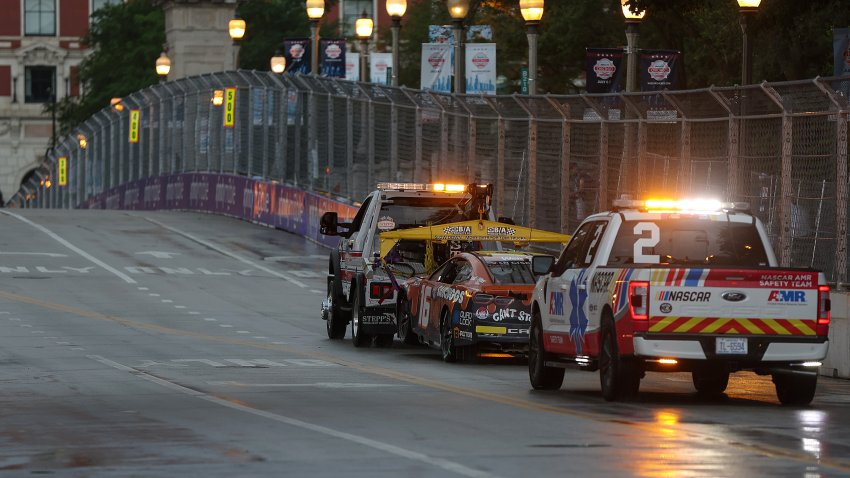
329	223
542	264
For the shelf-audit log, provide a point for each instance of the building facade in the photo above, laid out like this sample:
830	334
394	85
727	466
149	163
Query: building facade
40	52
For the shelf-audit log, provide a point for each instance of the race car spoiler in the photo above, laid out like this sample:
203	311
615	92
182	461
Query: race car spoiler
474	230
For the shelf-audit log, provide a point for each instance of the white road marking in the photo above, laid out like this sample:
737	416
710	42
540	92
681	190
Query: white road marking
210	319
167	301
14	319
280	343
143	288
74	248
179	306
229	254
316	291
225	325
48	254
242	332
26	325
153	295
77	348
360	440
159	254
192	312
260	337
335	385
290	258
37	332
63	343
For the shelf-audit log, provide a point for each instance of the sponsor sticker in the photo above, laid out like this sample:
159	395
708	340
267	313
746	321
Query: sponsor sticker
381	319
482	313
386	223
787	281
666	308
449	294
556	303
457	230
601	280
683	296
787	297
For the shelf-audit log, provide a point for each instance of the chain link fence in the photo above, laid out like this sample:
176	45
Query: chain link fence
553	159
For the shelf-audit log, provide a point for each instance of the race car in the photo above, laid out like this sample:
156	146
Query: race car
475	300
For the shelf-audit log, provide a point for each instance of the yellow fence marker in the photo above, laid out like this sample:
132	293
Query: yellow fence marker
229	107
63	170
134	126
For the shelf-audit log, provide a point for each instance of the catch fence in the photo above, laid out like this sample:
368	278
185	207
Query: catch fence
553	159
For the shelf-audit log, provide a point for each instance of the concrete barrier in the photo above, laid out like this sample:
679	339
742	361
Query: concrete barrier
837	363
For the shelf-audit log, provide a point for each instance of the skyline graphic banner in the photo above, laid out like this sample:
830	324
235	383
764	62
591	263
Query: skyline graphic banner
378	64
436	71
481	68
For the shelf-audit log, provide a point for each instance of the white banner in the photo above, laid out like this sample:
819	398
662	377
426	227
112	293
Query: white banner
378	65
352	66
481	68
436	73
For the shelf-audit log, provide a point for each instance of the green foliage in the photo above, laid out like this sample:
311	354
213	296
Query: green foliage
126	38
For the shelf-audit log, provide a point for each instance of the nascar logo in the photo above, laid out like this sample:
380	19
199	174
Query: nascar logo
683	296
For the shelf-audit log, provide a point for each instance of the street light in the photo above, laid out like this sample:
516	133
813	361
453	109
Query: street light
532	12
747	8
458	10
633	19
278	62
163	65
236	29
315	10
363	27
396	9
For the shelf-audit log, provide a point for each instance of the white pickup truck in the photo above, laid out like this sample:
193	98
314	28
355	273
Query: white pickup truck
677	286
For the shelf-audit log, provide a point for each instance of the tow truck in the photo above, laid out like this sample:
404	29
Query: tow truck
677	286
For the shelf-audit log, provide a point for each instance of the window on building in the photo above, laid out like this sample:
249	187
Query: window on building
351	11
98	4
40	83
40	17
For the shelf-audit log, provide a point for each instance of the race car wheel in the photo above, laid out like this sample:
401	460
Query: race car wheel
619	377
358	336
335	322
384	340
405	325
795	388
541	376
447	340
710	382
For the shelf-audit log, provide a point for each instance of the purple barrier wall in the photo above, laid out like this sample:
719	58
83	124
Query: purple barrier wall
263	202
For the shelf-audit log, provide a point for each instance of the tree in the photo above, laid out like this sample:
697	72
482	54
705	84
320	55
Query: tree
126	38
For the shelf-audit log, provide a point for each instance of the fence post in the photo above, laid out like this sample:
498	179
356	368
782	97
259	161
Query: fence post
370	143
329	160
566	145
443	162
786	189
393	138
500	164
349	145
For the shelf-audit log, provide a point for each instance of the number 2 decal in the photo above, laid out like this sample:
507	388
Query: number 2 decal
642	242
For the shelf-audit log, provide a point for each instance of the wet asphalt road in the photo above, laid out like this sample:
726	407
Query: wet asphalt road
177	344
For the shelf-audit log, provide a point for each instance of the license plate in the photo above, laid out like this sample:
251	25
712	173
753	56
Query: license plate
731	346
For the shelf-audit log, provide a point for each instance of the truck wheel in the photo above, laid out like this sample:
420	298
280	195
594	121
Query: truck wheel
541	376
447	340
358	336
335	322
619	377
405	326
384	340
710	382
795	388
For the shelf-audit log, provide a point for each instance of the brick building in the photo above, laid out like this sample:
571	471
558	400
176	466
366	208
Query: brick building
40	50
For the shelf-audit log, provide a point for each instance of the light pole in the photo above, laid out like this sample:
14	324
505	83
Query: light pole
278	62
396	9
315	10
458	10
748	8
363	27
163	65
633	19
532	12
236	29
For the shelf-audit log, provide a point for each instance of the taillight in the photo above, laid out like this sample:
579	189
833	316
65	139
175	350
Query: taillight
482	299
824	305
380	291
639	300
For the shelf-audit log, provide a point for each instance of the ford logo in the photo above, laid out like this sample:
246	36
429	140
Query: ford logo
733	296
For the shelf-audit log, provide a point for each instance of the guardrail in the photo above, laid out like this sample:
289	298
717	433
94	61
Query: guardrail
554	159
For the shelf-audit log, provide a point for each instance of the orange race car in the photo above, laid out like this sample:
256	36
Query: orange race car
475	302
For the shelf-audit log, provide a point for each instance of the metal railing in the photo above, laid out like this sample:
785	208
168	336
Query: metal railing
553	159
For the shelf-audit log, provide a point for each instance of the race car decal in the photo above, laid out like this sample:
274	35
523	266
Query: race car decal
679	277
713	325
578	318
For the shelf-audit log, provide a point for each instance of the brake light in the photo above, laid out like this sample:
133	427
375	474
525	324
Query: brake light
639	300
482	299
824	305
380	291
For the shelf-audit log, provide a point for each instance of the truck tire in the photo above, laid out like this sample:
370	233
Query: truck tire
405	325
358	336
795	388
336	323
541	376
618	376
710	382
447	341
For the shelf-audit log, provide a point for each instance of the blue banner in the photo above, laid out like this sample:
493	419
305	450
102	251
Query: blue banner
297	53
332	57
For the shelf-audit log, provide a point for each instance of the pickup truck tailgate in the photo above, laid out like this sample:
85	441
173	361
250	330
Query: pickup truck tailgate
733	301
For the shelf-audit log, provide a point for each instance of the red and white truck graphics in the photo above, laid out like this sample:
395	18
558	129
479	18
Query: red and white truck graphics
641	290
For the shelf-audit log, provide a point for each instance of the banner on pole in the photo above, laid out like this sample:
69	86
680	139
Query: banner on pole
332	58
378	64
660	70
62	168
436	71
352	66
229	107
481	68
297	53
134	126
604	70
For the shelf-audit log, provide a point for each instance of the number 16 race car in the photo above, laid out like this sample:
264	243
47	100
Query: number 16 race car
476	301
